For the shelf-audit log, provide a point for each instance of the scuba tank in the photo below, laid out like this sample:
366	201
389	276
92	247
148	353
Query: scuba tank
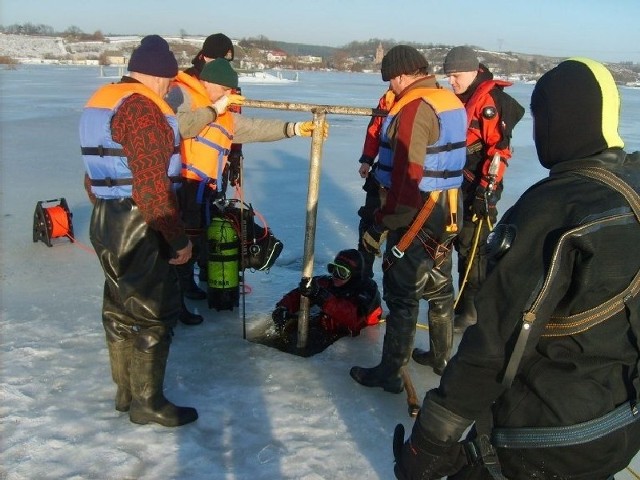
223	265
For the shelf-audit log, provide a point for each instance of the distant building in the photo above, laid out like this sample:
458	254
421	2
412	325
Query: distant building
309	59
379	54
116	60
276	56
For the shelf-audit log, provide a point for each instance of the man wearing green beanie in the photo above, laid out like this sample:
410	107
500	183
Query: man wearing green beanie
207	129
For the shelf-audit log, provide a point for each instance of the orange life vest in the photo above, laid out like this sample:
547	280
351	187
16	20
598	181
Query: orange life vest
205	155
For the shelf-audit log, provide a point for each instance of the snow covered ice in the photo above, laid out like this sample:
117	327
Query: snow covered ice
264	414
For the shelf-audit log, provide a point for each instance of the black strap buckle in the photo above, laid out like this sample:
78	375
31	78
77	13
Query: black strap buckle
480	451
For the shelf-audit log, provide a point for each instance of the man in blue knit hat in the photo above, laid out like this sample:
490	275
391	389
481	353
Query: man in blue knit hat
129	138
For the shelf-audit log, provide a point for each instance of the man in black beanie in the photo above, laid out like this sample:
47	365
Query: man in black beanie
421	155
129	138
549	373
215	46
491	116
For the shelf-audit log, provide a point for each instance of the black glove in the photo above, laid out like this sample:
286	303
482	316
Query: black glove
484	203
235	167
420	458
309	287
367	214
373	238
280	316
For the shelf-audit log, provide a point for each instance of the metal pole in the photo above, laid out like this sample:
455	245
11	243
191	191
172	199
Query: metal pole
308	107
319	119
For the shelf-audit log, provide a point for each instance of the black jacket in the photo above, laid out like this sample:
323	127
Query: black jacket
562	380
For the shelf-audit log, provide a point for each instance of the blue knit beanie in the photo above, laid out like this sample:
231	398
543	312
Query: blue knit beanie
153	57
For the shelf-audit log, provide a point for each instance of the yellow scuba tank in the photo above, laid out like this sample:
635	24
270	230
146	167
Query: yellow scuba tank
223	264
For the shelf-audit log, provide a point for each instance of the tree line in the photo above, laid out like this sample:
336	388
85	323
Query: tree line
72	33
341	58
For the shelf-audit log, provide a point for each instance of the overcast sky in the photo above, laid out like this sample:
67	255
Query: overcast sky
606	31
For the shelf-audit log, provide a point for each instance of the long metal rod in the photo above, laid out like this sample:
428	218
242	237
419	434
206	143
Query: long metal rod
319	118
309	107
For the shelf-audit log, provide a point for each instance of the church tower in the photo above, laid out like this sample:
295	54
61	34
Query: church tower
379	54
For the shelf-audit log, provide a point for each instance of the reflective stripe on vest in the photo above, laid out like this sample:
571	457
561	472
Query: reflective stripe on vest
103	157
445	159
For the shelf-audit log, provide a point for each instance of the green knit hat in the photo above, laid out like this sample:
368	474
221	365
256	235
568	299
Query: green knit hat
220	72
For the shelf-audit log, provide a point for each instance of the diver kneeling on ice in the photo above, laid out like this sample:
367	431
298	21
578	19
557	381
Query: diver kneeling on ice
342	303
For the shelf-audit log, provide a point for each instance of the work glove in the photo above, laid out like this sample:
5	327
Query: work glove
432	451
235	167
305	129
484	203
284	321
221	105
420	458
280	316
373	238
309	287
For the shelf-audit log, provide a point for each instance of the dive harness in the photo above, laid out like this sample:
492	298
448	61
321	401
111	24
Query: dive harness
481	450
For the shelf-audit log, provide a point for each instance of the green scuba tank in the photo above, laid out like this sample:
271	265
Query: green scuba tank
223	263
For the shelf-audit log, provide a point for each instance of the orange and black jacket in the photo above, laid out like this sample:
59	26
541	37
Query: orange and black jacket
345	310
491	116
372	137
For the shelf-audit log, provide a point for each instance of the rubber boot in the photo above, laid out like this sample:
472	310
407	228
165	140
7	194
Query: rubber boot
465	312
189	318
440	342
188	284
148	365
120	345
120	359
386	375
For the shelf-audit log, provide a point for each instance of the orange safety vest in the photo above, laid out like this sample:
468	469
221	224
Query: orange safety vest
205	155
